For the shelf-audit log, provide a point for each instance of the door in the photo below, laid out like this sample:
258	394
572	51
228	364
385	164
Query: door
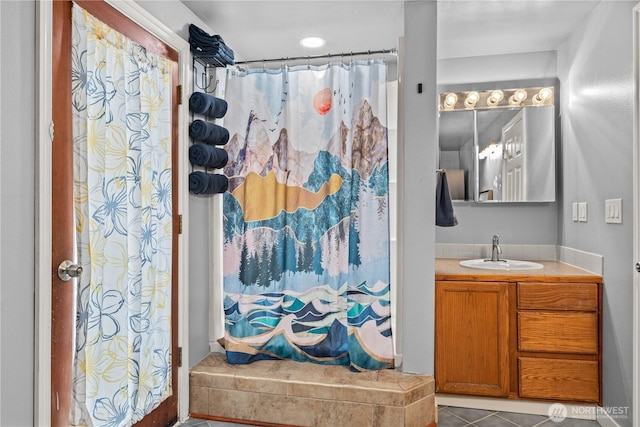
514	144
64	293
472	338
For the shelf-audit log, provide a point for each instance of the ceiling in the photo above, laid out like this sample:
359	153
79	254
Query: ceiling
478	28
263	29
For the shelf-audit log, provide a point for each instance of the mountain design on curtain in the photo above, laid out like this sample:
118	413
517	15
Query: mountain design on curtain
306	222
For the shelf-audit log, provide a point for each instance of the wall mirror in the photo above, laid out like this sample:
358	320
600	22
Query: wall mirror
498	144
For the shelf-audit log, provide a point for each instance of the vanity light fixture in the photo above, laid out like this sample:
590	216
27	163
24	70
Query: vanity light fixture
497	98
472	99
450	101
312	42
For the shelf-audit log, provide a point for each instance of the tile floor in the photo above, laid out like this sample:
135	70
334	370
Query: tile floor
449	416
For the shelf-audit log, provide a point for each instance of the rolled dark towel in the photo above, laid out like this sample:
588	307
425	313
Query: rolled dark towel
207	183
208	132
208	156
207	105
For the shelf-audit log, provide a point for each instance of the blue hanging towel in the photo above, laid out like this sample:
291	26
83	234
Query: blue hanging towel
207	183
208	132
207	105
444	208
208	156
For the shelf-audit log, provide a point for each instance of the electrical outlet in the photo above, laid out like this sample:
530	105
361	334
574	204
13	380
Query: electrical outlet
582	211
574	208
613	211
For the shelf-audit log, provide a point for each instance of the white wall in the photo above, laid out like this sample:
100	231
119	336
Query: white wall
479	69
174	15
417	151
1	215
17	210
596	82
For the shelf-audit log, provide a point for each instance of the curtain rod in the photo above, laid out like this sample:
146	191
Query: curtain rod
329	55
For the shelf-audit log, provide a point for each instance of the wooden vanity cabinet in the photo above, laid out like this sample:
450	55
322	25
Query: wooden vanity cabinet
472	338
536	336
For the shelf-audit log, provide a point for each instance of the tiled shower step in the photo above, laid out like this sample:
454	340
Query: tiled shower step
286	392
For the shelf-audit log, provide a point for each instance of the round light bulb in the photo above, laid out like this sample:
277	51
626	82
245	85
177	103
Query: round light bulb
542	96
472	98
545	93
518	96
495	98
450	101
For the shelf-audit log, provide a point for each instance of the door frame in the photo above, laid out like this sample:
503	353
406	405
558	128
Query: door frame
635	399
44	135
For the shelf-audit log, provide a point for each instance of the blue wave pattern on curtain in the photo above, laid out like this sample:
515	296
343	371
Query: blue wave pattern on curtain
306	222
121	97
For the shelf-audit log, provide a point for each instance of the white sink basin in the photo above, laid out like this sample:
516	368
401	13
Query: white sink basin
504	265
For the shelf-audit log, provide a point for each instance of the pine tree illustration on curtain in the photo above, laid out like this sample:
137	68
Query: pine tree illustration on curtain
306	222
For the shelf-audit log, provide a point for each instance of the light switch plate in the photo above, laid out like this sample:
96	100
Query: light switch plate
613	211
574	208
582	211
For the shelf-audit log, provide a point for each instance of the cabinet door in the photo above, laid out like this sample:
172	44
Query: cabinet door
472	338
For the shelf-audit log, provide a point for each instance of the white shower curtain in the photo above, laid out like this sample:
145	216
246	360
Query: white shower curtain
122	193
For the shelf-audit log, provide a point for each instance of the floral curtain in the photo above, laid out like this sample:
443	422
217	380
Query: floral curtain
306	221
121	97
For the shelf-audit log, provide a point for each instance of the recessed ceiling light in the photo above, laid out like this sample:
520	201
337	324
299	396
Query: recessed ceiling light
313	42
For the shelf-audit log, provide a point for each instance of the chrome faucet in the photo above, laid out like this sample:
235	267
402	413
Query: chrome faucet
495	249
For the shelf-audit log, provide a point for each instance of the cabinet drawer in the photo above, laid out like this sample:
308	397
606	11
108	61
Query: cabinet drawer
559	379
558	296
558	332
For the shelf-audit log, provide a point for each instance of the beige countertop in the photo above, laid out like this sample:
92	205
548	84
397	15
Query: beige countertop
553	271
